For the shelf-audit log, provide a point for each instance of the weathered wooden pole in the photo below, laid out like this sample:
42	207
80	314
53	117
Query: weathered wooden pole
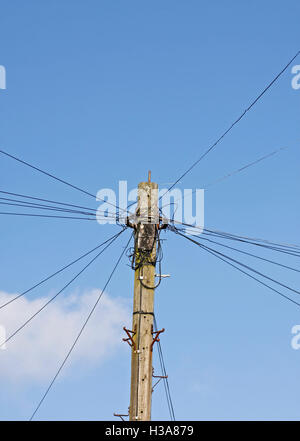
146	233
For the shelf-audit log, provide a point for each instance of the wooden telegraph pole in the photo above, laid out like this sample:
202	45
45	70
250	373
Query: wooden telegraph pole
142	337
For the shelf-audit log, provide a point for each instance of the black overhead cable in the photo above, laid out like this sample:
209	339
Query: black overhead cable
252	241
234	172
248	242
80	332
291	250
248	254
234	123
280	249
228	175
59	292
24	204
255	271
48	216
47	174
14	202
284	250
265	243
64	204
241	264
57	272
18	203
284	245
164	373
47	200
56	178
249	275
217	254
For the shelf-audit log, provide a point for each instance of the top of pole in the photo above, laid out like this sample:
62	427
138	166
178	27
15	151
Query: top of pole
149	176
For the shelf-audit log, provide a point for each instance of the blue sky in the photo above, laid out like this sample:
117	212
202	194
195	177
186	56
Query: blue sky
99	92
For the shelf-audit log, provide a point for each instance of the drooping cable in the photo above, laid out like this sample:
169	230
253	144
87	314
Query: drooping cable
219	256
60	291
228	175
80	332
234	123
164	373
283	247
246	253
24	204
64	205
46	216
46	200
57	272
56	178
243	265
252	277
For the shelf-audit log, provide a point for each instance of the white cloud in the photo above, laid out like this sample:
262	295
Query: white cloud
36	351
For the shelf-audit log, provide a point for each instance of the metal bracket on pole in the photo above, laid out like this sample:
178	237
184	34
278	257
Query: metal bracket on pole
156	338
130	340
120	415
157	376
